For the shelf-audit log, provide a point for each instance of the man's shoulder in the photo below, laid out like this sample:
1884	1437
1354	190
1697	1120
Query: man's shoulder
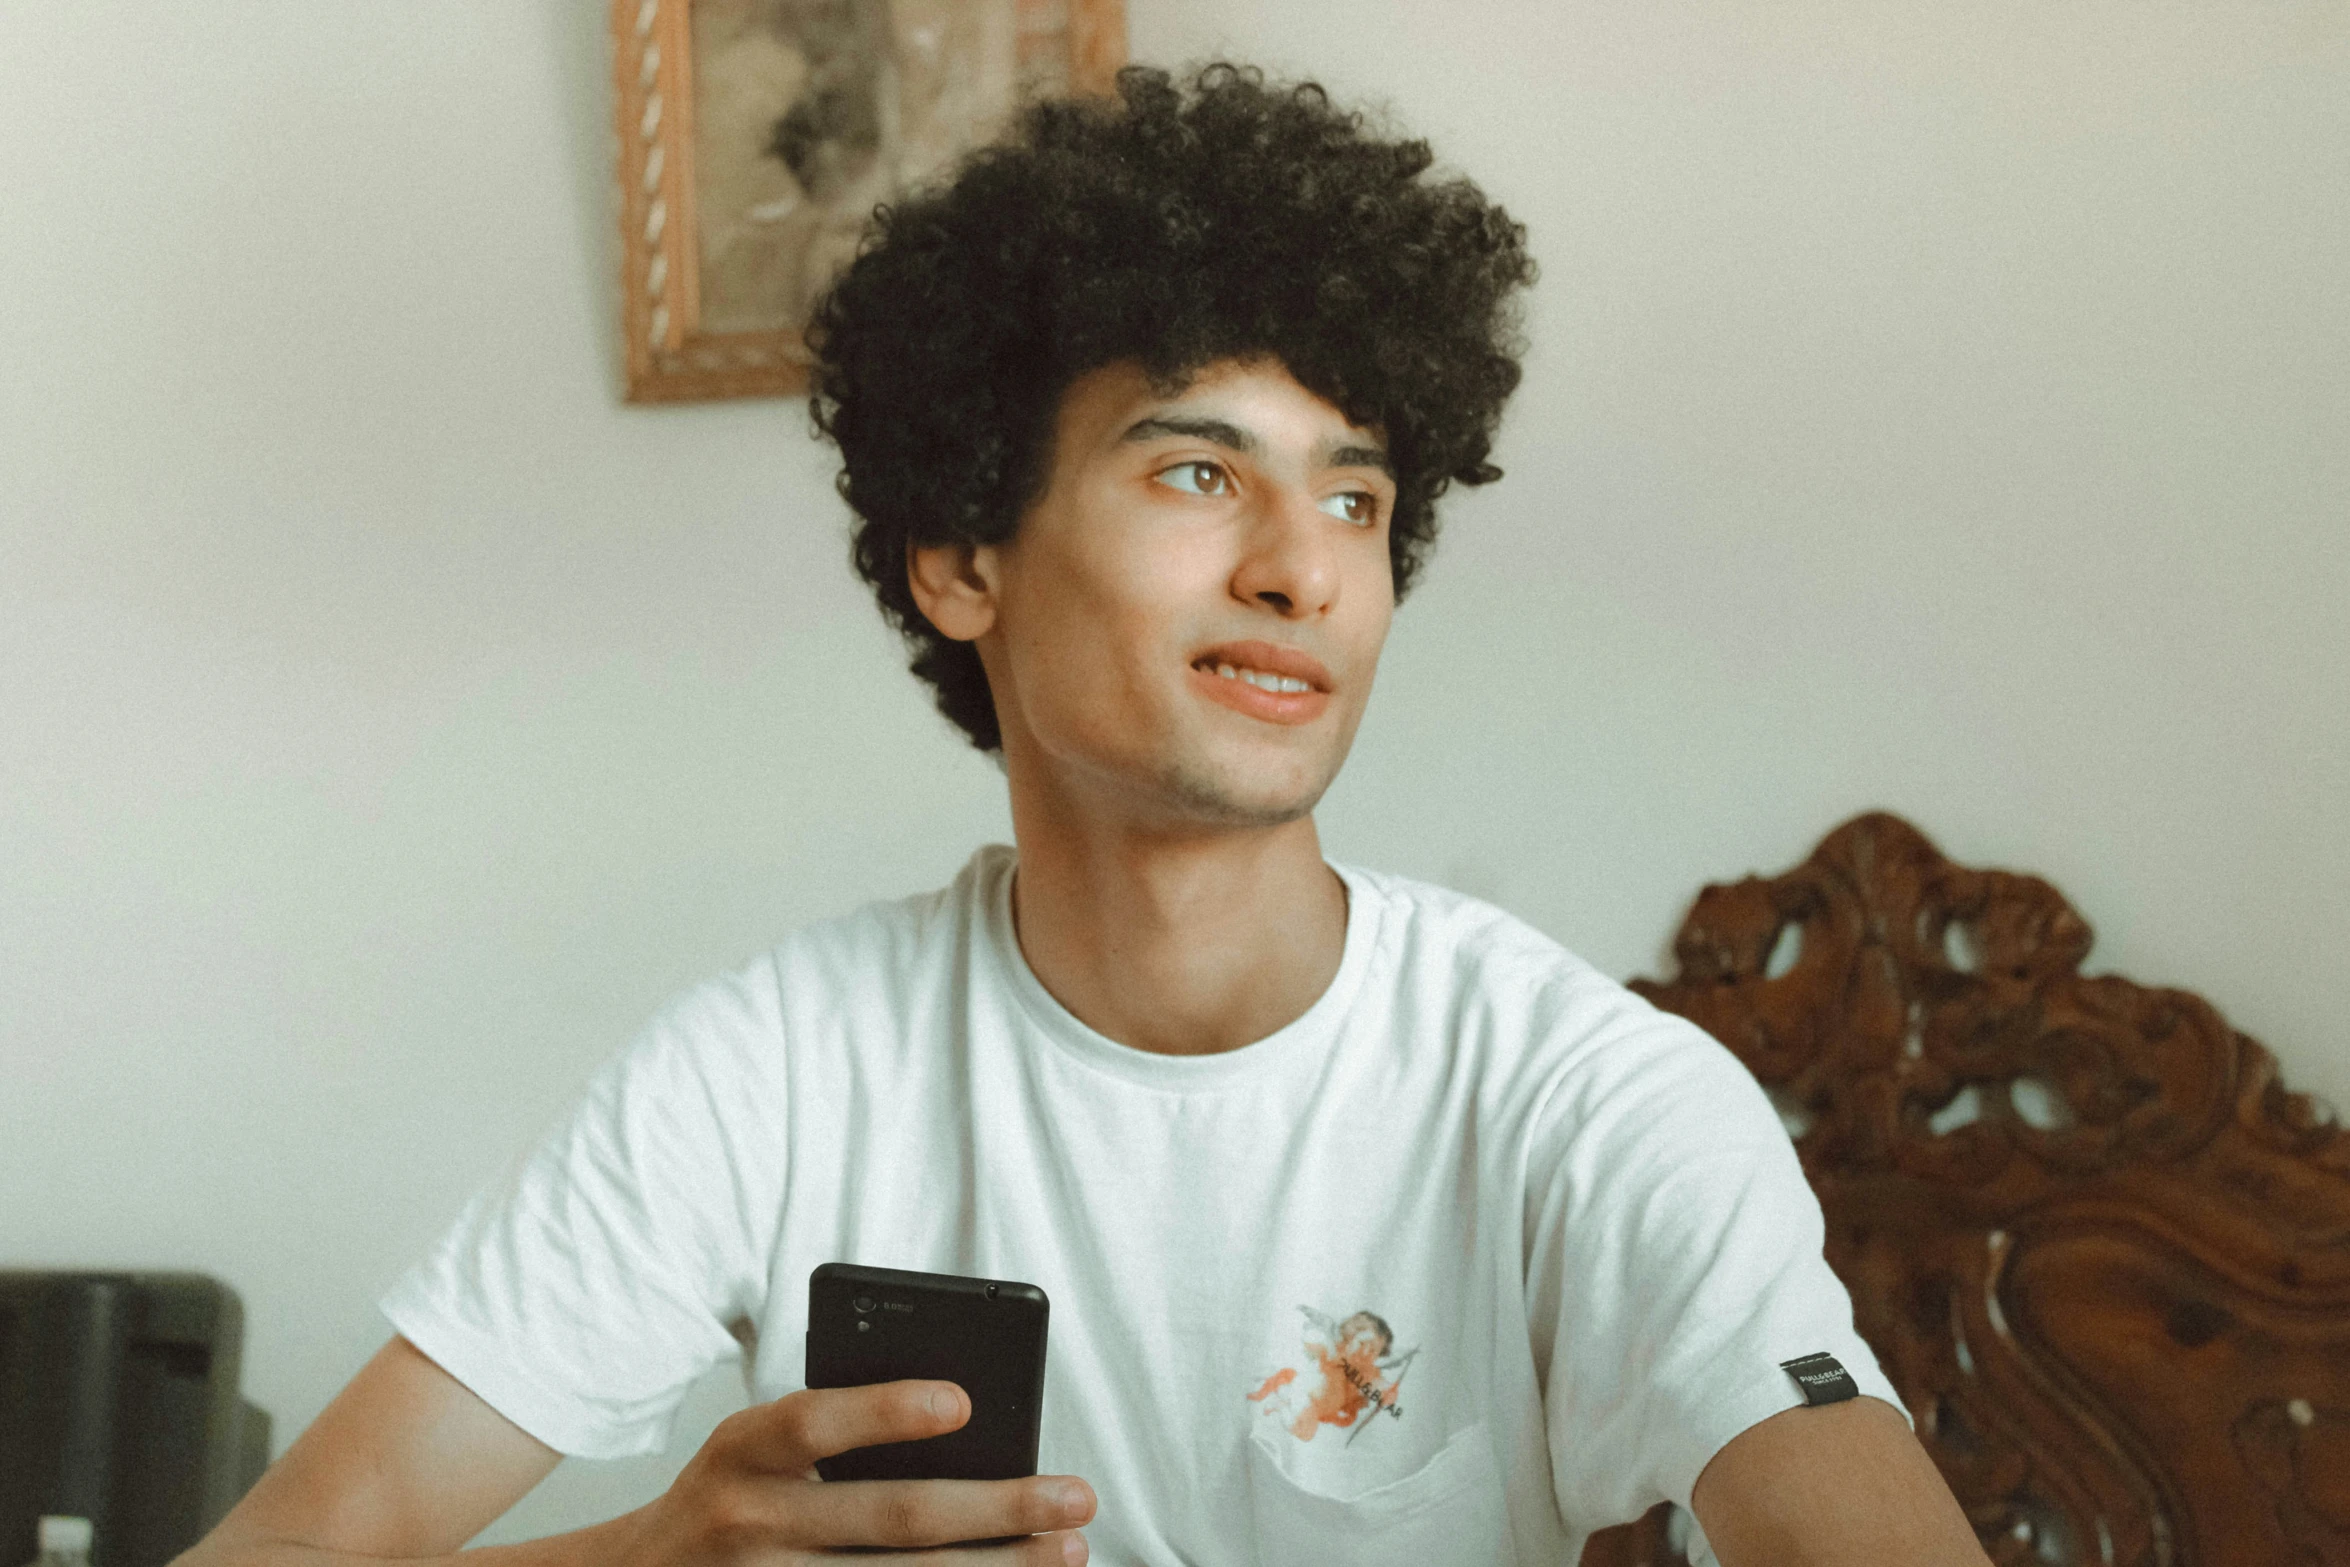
1481	950
1539	1015
890	932
876	950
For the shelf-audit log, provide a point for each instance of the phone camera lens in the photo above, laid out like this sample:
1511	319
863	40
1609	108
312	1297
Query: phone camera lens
991	1292
863	1303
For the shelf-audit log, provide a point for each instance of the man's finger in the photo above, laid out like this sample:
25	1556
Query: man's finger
1045	1550
790	1434
911	1514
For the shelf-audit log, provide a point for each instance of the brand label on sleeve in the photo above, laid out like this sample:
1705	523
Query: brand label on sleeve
1822	1378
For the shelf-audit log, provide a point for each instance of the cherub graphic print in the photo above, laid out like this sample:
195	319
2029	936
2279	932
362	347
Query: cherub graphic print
1348	1374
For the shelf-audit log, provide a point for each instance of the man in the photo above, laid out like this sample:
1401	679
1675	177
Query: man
1144	418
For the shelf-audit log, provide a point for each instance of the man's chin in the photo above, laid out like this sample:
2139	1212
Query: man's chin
1210	799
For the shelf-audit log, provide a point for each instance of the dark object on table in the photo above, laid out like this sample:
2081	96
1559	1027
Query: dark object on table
119	1404
2101	1251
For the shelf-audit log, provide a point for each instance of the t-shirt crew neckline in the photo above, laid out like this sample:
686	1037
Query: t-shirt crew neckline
1304	1038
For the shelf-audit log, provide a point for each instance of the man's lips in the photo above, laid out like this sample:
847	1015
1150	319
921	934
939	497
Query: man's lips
1266	658
1237	675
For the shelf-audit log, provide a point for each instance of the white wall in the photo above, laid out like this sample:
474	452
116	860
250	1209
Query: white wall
1939	406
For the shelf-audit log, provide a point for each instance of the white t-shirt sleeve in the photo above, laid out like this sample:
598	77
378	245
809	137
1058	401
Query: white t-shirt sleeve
1674	1261
585	1292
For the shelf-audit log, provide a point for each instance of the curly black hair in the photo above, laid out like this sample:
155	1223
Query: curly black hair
1174	226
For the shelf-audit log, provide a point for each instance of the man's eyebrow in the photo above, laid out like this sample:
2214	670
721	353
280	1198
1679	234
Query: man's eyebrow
1358	457
1214	431
1233	438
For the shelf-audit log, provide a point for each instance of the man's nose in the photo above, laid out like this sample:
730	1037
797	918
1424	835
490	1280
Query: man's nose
1288	563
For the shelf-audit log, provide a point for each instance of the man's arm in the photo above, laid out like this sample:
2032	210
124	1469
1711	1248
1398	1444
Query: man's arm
407	1464
1839	1485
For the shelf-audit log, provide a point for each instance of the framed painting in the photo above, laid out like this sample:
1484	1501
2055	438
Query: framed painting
756	137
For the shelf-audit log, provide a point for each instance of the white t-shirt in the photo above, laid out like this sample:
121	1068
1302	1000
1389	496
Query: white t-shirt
1480	1254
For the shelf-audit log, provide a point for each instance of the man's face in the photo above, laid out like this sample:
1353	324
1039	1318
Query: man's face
1189	618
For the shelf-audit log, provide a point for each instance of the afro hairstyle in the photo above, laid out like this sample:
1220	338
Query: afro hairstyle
1173	226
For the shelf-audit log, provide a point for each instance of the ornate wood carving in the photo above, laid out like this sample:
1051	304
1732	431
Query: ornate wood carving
2099	1248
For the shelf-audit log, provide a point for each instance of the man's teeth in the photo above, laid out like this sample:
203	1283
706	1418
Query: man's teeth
1261	680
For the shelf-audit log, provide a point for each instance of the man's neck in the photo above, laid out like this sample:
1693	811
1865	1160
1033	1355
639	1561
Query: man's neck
1182	942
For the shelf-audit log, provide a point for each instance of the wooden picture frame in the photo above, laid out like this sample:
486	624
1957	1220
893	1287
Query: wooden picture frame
756	136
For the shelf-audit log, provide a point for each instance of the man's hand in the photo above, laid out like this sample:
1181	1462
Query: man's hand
751	1494
408	1463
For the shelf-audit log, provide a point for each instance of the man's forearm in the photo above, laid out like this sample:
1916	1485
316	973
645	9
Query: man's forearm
230	1546
1843	1485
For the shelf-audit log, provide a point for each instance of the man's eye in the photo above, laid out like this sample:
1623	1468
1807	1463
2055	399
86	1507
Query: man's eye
1360	507
1197	478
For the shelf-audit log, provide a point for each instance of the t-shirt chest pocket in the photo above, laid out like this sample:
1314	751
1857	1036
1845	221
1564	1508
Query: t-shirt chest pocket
1450	1510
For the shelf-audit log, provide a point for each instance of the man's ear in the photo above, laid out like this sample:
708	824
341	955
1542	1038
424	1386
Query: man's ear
953	587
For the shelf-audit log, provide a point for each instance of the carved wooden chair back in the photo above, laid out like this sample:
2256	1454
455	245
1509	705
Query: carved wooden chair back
2101	1251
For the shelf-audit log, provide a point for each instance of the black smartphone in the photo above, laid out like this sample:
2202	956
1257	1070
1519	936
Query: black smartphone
984	1335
